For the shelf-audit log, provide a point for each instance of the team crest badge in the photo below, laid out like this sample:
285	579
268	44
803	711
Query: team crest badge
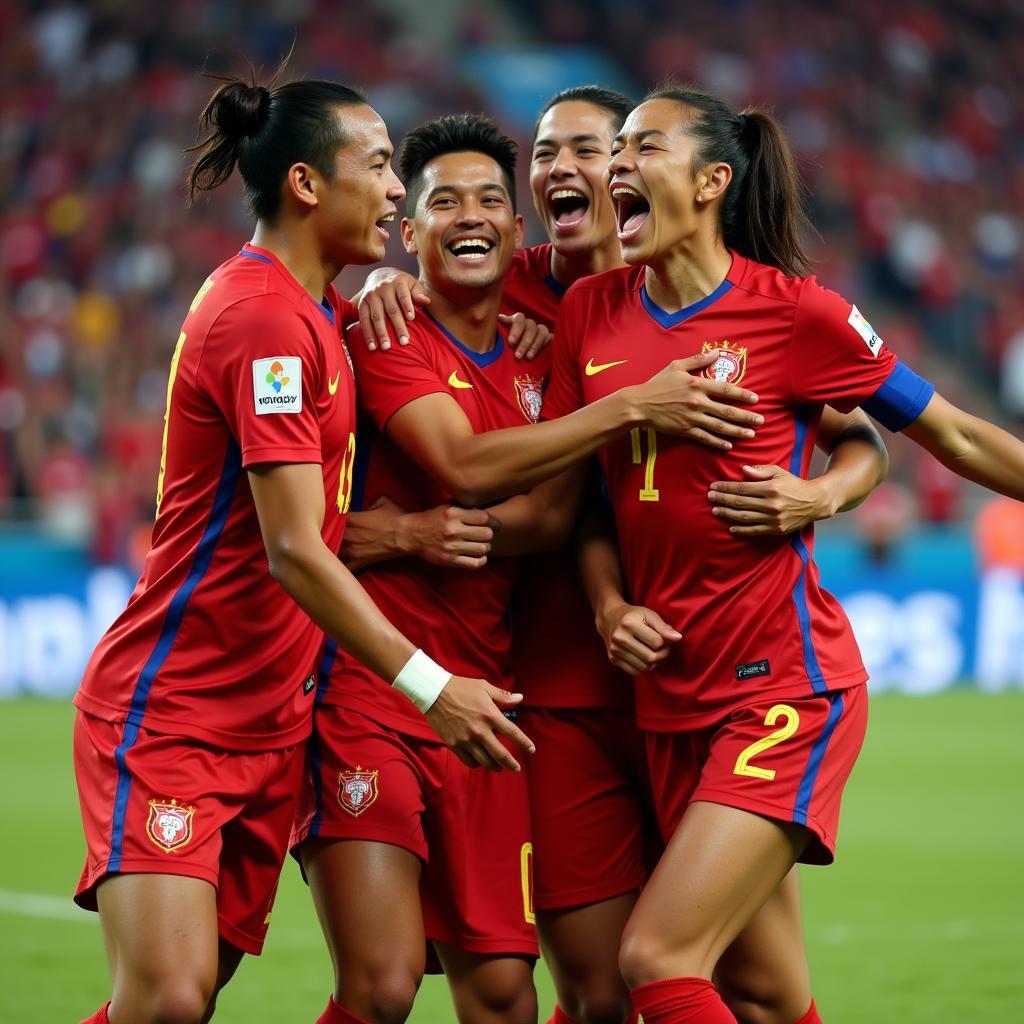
357	790
170	824
530	393
731	365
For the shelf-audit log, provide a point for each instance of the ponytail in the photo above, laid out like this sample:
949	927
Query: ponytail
264	130
762	213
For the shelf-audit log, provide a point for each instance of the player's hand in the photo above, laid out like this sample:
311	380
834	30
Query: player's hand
680	401
637	638
467	716
447	535
526	337
388	298
771	502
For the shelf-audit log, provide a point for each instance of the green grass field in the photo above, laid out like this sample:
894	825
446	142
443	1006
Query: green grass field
921	920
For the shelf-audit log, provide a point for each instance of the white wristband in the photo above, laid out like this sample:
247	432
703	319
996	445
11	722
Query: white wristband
421	680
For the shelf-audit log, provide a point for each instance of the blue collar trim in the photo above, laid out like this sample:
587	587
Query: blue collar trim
668	320
480	358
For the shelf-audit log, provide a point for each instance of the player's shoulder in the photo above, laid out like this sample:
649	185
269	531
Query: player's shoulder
766	282
617	282
533	262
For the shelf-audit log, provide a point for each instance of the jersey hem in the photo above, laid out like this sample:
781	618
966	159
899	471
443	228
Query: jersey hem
562	899
699	720
254	456
243	742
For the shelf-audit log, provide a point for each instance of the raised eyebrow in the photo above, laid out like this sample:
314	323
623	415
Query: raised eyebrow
639	136
489	186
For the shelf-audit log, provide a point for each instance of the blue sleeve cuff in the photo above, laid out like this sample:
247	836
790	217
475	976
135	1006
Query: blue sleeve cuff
901	398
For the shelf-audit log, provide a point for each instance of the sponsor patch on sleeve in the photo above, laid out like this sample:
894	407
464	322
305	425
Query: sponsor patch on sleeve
277	384
865	330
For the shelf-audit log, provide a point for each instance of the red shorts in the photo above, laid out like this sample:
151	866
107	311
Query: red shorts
167	805
594	828
786	760
471	827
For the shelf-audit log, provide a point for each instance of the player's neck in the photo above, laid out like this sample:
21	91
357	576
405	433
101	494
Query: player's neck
470	315
299	256
567	268
687	274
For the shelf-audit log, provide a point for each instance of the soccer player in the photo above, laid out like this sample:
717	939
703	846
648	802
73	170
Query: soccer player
594	835
755	717
193	711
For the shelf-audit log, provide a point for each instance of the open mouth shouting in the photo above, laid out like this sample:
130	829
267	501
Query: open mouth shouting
631	210
568	207
470	248
386	219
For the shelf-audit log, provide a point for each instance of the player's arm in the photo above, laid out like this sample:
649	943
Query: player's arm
388	301
973	448
290	505
635	637
542	519
445	535
774	501
477	468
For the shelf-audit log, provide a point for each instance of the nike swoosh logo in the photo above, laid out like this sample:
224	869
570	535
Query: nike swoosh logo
590	369
332	385
454	382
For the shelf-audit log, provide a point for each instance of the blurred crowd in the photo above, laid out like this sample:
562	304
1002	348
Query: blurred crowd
907	118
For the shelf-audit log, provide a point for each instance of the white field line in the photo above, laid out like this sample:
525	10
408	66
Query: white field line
53	908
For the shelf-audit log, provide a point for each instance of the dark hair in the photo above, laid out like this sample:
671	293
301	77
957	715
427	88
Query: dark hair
265	130
454	133
762	213
615	103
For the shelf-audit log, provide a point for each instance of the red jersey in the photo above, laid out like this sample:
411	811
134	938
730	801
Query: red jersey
210	646
458	616
755	622
556	650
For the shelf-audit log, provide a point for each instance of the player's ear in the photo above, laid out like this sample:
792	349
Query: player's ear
520	230
713	181
301	182
409	237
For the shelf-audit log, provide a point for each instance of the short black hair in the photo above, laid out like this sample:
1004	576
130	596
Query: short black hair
454	133
617	104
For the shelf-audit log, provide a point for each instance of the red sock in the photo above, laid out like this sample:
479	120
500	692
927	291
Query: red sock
811	1016
99	1017
681	1001
335	1014
559	1016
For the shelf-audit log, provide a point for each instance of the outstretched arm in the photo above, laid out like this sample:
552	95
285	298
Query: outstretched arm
773	501
973	448
290	504
477	468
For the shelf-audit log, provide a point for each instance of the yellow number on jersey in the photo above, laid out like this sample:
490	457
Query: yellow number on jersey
526	879
167	417
743	765
648	492
345	480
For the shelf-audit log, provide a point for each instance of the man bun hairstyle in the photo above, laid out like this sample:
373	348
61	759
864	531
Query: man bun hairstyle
762	212
264	130
454	133
616	104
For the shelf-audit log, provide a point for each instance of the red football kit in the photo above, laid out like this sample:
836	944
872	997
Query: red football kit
210	649
377	765
756	624
589	792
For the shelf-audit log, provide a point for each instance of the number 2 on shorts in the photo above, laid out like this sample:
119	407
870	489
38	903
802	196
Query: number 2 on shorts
743	765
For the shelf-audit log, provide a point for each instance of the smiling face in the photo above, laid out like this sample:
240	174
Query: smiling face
652	183
463	229
359	203
567	175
